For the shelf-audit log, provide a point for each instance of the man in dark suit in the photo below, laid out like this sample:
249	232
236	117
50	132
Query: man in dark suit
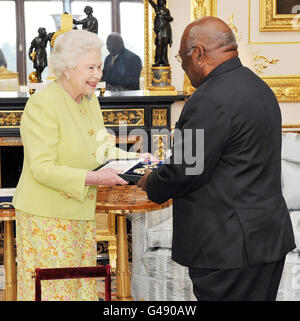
2	59
122	68
231	226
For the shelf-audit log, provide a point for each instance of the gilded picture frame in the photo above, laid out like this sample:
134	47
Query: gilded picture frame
279	15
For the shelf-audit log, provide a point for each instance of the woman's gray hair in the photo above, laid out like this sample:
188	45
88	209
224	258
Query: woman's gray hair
69	46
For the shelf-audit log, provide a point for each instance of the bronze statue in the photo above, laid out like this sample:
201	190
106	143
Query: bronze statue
37	52
90	23
163	31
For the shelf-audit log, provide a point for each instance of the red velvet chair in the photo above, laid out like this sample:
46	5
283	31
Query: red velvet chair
73	273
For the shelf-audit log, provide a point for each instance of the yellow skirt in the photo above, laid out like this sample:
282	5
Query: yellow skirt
44	242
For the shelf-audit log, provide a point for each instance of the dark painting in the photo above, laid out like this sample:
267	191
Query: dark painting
288	6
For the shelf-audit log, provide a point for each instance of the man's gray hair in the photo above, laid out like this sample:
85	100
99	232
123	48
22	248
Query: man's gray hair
69	46
217	39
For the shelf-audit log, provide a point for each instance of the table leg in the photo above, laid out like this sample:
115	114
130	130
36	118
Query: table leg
10	262
123	274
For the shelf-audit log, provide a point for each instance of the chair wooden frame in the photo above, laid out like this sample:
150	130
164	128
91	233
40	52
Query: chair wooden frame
73	273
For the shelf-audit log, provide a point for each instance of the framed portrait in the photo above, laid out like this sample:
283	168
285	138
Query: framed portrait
279	15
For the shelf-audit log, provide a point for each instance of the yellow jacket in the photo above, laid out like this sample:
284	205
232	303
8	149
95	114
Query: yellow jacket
60	146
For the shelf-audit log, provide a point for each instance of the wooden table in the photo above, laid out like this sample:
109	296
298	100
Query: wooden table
120	201
8	216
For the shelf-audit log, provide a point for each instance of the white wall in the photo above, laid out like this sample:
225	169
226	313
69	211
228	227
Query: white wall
181	12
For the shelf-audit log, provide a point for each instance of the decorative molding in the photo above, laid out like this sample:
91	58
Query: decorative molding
203	8
286	88
159	117
163	77
233	27
160	145
10	118
271	21
121	117
261	63
199	8
187	86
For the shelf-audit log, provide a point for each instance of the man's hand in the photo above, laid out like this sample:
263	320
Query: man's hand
142	183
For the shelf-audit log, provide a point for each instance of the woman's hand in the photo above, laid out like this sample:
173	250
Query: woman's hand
149	157
105	177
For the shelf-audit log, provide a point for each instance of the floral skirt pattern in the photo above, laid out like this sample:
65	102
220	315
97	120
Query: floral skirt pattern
45	242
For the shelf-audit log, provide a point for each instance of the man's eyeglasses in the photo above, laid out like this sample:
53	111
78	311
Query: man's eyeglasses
179	55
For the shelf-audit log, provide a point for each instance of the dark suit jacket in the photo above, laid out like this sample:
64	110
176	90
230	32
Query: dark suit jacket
233	214
125	72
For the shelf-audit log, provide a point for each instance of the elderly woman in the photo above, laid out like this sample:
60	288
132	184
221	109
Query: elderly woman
62	129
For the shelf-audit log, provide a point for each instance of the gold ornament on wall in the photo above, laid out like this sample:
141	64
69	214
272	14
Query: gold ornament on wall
234	29
203	8
261	63
187	86
199	8
286	88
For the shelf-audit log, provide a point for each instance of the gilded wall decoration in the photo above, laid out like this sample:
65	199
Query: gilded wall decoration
261	63
279	15
203	8
286	88
234	29
199	8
